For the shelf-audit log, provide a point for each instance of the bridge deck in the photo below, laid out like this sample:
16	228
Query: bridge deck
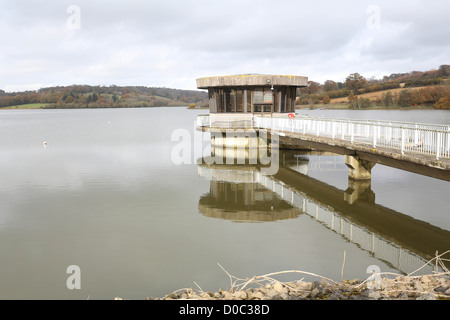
415	162
415	147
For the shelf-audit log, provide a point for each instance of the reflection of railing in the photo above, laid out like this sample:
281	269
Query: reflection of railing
380	248
419	138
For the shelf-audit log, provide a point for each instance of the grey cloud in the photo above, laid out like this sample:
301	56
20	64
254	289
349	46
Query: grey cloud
170	43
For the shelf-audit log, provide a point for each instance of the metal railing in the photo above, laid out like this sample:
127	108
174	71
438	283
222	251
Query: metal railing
421	138
428	139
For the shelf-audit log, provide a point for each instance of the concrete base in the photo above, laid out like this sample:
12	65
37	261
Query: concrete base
358	169
245	140
243	147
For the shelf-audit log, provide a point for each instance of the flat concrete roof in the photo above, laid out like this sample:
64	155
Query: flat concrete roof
252	80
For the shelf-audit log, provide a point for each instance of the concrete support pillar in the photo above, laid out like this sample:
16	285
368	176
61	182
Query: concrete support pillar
358	169
359	184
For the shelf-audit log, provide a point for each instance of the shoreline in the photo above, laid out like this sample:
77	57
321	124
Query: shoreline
98	108
297	107
378	286
427	287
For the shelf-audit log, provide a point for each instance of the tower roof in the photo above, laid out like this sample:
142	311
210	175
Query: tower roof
252	80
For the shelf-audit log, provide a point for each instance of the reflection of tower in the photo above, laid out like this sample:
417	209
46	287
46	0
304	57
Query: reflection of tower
234	195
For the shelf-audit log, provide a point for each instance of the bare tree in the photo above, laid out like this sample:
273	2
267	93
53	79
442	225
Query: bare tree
355	82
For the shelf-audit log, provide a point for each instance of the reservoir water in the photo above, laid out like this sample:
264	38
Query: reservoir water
105	194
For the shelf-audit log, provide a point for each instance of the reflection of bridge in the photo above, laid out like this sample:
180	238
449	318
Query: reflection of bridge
398	239
415	147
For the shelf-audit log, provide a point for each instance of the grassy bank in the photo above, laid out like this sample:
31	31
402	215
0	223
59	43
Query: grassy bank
28	106
54	106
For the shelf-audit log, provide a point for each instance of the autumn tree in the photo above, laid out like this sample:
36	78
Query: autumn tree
69	99
444	70
387	99
355	82
405	98
329	85
312	88
443	103
352	100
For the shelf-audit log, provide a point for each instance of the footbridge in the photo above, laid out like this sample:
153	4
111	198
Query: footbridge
416	147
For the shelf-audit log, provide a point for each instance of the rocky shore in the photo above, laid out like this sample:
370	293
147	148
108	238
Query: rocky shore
427	287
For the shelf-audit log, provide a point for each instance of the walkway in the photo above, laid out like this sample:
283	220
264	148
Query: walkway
416	147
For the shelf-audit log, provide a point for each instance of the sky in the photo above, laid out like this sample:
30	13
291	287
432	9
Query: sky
170	43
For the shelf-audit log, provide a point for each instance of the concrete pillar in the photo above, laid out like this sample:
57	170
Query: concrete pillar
358	169
359	184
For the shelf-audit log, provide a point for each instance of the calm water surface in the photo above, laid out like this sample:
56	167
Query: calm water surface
106	195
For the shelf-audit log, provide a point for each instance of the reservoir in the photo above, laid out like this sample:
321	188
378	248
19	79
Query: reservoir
102	189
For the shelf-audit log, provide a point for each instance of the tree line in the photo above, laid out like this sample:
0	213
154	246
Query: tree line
85	96
436	93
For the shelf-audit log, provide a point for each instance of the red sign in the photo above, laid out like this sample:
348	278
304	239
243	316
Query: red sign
291	115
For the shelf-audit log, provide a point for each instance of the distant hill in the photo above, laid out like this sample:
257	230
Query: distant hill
86	96
395	90
373	96
415	88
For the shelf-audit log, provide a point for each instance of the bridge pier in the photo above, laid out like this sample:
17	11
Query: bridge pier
359	184
358	169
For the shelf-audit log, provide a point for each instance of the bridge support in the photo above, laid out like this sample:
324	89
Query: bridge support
359	184
358	169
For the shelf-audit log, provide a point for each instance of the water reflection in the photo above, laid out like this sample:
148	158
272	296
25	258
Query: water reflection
244	202
242	193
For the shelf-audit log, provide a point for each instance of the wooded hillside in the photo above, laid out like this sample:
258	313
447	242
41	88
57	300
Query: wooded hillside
416	88
85	96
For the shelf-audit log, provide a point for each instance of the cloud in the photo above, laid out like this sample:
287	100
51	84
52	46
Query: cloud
170	43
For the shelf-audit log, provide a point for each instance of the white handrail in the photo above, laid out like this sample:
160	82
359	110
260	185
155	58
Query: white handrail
422	138
415	138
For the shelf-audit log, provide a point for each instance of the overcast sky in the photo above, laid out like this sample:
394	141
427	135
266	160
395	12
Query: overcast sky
170	43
